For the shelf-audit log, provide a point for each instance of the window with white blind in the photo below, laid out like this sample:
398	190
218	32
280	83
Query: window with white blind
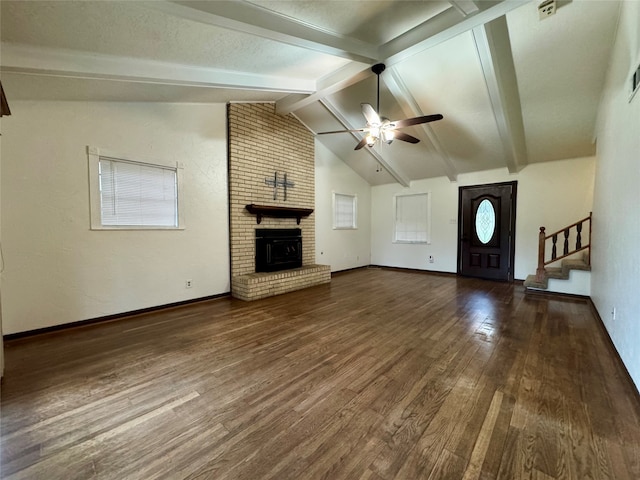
412	222
345	211
127	194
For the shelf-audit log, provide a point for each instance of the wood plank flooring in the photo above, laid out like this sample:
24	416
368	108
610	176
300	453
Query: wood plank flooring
380	375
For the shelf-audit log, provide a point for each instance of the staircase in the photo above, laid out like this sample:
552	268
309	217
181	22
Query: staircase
570	259
560	273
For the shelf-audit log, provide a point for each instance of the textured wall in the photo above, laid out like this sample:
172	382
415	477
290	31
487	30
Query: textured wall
342	249
616	224
261	143
57	270
550	194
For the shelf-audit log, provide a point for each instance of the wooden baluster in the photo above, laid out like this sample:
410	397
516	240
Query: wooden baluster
579	237
566	241
540	272
554	251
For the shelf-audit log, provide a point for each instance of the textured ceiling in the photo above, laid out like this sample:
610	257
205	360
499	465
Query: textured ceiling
513	89
375	22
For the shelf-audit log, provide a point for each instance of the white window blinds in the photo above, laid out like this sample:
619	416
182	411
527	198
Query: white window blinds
137	194
344	211
412	218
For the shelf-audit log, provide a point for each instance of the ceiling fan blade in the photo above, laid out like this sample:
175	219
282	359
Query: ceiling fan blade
405	137
370	114
417	120
342	131
361	144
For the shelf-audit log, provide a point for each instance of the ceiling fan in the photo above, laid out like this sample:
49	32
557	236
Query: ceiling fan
381	128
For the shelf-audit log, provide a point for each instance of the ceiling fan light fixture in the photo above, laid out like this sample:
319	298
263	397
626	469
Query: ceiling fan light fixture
373	135
381	128
371	140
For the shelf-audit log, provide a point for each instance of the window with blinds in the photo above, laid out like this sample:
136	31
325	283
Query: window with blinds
412	218
134	195
345	211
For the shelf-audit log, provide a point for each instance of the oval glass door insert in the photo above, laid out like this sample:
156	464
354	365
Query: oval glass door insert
485	221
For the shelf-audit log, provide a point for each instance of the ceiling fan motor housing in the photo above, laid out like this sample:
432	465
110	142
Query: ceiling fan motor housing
378	68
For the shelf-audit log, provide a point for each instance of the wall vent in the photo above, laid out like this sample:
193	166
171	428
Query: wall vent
546	8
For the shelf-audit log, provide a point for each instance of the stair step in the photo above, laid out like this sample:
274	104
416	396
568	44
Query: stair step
558	273
576	265
533	284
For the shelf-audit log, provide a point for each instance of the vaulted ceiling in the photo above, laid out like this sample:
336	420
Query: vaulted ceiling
514	89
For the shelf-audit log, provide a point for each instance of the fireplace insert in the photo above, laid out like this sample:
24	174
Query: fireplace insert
278	249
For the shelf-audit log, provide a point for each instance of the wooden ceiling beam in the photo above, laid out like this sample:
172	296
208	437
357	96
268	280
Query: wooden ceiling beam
465	7
494	51
350	74
25	59
441	28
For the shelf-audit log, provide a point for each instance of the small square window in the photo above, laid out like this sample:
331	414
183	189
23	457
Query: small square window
412	222
127	194
345	211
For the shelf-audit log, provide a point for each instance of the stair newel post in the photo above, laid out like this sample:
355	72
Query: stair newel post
540	272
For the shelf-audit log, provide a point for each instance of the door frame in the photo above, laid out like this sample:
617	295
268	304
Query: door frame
512	221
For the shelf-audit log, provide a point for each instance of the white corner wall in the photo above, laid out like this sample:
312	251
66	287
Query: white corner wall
342	249
1	267
616	256
56	269
551	194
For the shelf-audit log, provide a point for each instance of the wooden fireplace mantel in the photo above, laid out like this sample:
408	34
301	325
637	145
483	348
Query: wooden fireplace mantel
280	212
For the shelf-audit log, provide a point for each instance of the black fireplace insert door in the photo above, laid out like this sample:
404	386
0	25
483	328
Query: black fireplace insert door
278	249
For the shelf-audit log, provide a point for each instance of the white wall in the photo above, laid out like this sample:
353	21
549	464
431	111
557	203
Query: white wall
616	257
342	249
1	267
56	269
552	194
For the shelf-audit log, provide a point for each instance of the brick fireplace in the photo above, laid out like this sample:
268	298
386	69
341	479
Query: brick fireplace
269	156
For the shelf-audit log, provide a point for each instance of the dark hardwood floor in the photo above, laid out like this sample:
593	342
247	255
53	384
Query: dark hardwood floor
380	375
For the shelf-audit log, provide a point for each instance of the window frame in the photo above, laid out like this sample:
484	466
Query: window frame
427	232
94	155
354	197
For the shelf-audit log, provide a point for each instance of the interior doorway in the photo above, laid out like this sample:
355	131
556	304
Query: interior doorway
486	230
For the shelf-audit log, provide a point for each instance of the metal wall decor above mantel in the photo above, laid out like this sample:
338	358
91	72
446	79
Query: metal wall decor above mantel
279	212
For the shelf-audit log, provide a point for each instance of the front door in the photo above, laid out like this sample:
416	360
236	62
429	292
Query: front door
486	230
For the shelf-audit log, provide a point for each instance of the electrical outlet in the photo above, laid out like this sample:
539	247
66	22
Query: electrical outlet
431	259
188	283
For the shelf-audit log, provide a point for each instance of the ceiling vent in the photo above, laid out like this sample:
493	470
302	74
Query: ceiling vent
546	8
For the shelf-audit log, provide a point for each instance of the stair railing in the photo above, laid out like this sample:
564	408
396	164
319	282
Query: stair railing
543	239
